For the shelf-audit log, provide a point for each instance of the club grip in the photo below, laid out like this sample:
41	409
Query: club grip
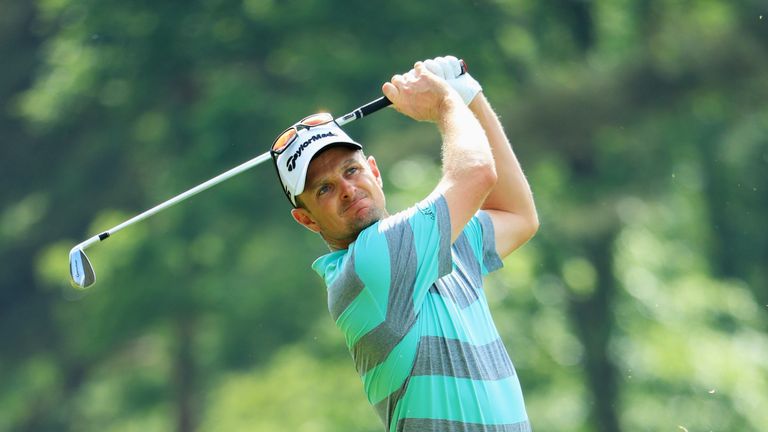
373	106
383	102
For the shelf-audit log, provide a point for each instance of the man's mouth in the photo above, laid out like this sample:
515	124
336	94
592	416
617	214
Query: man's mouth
355	205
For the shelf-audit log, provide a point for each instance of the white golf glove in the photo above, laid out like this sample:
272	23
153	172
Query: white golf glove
449	69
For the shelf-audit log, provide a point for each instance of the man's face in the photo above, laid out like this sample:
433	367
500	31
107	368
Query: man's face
342	196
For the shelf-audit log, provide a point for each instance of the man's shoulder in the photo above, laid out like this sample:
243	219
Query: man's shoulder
327	265
426	209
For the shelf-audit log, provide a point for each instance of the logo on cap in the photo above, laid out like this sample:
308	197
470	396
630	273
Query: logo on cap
291	163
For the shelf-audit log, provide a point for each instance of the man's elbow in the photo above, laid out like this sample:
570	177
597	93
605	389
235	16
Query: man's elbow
486	177
526	226
476	180
531	225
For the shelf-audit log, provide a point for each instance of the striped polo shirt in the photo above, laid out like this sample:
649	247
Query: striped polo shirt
415	318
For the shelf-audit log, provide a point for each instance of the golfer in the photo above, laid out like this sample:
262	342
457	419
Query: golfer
406	289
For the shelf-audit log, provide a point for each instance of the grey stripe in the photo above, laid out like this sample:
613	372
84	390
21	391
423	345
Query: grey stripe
458	292
464	251
463	284
457	288
344	289
491	258
436	425
376	345
445	265
451	357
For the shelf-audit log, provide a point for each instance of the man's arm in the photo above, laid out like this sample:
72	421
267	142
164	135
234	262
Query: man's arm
510	202
468	168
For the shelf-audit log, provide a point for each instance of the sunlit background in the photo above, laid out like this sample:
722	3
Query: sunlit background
642	125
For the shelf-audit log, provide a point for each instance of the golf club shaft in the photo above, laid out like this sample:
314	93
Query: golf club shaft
367	109
364	110
194	191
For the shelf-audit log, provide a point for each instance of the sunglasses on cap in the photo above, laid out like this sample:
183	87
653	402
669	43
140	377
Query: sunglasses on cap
285	139
288	136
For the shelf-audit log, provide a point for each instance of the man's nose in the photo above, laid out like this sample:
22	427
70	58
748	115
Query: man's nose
347	189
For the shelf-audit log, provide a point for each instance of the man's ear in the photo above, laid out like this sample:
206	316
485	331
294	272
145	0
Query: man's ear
303	217
375	171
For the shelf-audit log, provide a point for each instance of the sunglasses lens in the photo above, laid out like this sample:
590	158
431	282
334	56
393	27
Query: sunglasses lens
283	140
317	119
289	135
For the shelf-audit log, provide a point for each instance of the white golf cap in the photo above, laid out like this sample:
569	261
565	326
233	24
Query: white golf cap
292	162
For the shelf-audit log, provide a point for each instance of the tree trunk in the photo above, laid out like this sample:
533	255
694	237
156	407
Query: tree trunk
593	321
184	377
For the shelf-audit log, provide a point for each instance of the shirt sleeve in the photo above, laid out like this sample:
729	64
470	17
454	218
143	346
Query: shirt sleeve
480	234
404	254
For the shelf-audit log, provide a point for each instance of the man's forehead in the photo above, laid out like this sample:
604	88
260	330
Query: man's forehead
332	158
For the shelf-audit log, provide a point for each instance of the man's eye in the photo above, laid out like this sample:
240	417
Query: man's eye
323	189
351	170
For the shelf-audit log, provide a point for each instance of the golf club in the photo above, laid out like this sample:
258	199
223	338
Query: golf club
80	268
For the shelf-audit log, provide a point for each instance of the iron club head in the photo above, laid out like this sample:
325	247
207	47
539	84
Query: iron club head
80	269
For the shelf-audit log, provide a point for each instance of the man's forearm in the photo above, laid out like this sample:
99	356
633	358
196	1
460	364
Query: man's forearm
511	193
465	147
469	173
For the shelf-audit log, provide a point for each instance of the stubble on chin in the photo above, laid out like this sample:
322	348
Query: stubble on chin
354	228
371	216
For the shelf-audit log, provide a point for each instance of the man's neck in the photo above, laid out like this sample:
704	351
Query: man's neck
342	244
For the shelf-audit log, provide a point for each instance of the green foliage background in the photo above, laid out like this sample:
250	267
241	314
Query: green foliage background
642	126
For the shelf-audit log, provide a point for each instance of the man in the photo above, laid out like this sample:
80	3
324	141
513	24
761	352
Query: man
406	289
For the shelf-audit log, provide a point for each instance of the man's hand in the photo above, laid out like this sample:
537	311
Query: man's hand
449	68
420	94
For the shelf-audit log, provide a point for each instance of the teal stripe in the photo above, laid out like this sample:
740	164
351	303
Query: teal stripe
372	262
328	266
383	379
432	245
463	400
369	309
477	326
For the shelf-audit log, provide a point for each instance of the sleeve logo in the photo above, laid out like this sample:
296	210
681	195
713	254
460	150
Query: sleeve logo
426	211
